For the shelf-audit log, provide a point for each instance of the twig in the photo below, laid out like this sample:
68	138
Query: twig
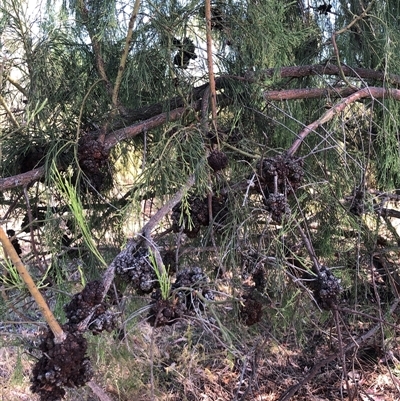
340	345
17	85
210	65
341	72
310	250
9	112
96	46
14	309
30	219
158	216
125	53
112	90
356	19
334	309
161	213
3	102
254	366
98	391
367	315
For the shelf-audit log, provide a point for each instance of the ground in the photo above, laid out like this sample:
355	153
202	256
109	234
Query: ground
204	359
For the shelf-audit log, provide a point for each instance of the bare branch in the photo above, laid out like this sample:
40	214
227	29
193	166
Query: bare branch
307	93
21	180
130	132
370	92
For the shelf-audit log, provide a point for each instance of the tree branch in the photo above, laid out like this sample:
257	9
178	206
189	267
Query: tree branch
96	47
130	132
319	69
307	93
23	179
211	77
154	115
125	53
285	72
370	92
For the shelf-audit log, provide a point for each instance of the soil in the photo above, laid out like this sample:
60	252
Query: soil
190	363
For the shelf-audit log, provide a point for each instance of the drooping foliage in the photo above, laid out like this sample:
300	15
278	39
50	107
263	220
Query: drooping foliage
292	172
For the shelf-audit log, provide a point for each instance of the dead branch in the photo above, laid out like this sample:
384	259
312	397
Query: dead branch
124	55
154	115
22	180
101	69
197	93
130	132
98	391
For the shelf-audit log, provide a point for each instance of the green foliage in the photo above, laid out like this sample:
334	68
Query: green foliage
162	276
387	149
57	81
70	193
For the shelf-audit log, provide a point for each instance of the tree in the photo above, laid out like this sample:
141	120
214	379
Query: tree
264	133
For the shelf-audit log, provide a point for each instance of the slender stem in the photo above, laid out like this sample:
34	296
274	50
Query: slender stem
59	335
17	85
368	92
356	18
9	112
125	53
210	64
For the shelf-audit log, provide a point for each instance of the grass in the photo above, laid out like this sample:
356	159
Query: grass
190	363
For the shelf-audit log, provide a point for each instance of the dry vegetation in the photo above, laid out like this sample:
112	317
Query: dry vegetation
215	354
201	238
